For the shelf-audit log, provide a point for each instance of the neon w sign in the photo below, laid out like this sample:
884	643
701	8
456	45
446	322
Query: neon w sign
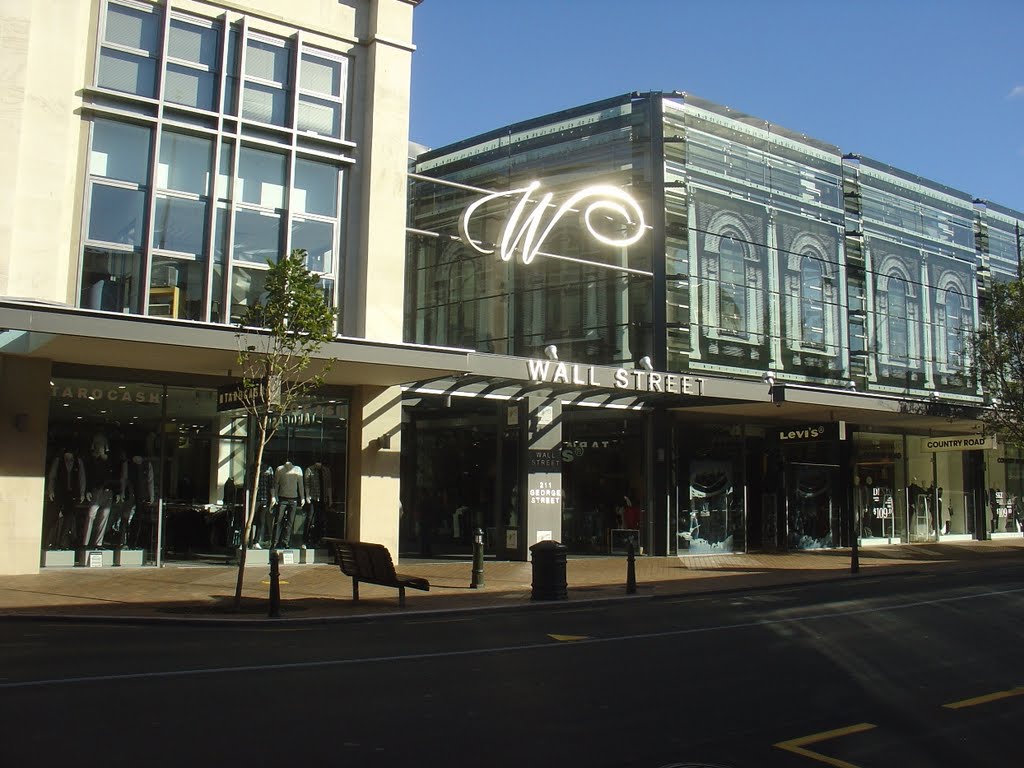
525	229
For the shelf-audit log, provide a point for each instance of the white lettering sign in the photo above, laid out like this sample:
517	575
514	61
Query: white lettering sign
632	379
523	229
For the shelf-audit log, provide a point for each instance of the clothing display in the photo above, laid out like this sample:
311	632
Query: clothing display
66	489
137	488
290	494
99	470
317	479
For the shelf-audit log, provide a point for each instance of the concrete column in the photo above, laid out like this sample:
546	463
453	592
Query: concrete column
24	415
375	447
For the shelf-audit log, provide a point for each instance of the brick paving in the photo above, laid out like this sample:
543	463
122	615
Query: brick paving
321	592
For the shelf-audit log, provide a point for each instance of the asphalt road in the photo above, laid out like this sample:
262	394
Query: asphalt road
919	670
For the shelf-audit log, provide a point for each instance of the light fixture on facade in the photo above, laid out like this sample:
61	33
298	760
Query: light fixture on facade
551	352
645	363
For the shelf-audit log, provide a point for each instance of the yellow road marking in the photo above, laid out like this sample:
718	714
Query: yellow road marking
797	745
280	581
1019	691
568	638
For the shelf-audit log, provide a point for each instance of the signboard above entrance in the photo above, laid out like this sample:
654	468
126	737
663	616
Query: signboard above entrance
960	443
629	379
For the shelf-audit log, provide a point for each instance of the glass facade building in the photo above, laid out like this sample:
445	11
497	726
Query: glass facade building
844	288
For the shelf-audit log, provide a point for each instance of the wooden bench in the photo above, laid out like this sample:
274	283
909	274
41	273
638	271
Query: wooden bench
372	563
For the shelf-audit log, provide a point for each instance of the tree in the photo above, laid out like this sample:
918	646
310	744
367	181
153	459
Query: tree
998	351
278	338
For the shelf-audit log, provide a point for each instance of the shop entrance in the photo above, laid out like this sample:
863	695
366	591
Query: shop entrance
812	505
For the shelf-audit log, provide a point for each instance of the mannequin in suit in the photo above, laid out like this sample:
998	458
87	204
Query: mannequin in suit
65	489
100	480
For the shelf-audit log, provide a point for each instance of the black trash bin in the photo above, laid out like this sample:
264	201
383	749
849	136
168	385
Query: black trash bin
549	581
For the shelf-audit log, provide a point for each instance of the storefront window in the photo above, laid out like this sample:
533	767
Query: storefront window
602	483
139	473
1004	491
710	516
878	484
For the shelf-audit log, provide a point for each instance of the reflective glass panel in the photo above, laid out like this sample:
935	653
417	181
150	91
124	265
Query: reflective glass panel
116	214
120	151
247	287
317	239
261	178
191	87
176	288
110	280
132	28
257	236
732	292
193	42
318	116
184	163
316	188
127	72
320	75
264	104
179	225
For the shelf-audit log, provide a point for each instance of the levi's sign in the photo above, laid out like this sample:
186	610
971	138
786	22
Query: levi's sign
814	433
633	380
525	228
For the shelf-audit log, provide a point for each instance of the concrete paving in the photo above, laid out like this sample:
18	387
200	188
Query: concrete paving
320	592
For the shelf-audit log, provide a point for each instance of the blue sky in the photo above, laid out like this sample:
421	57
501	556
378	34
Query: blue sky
935	88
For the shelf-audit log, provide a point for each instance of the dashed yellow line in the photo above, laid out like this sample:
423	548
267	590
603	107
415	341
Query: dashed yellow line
797	745
1019	691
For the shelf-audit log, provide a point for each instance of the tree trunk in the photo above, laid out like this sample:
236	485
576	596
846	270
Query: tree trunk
250	507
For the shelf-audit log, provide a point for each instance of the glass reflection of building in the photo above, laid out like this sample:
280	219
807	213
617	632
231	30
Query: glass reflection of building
770	256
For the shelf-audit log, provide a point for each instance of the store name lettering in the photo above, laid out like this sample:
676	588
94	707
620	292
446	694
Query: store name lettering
522	230
109	395
958	443
809	433
546	371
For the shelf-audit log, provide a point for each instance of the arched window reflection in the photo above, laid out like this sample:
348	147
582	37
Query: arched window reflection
812	301
954	328
899	337
732	293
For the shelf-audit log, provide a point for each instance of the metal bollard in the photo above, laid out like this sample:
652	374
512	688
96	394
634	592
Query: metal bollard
478	560
630	570
275	585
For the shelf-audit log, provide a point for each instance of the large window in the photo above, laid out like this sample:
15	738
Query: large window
185	208
955	327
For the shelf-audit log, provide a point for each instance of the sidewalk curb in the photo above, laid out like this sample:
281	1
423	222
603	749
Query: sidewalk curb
282	621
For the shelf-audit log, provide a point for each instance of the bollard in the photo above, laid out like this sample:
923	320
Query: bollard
275	585
630	570
478	560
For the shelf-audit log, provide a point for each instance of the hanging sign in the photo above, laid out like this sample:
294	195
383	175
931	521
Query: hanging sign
961	443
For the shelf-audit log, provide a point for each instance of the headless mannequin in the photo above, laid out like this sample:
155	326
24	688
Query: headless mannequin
136	489
100	477
66	481
318	493
290	492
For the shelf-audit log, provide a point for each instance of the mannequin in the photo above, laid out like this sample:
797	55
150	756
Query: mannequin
318	492
136	489
100	481
66	482
264	501
290	493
